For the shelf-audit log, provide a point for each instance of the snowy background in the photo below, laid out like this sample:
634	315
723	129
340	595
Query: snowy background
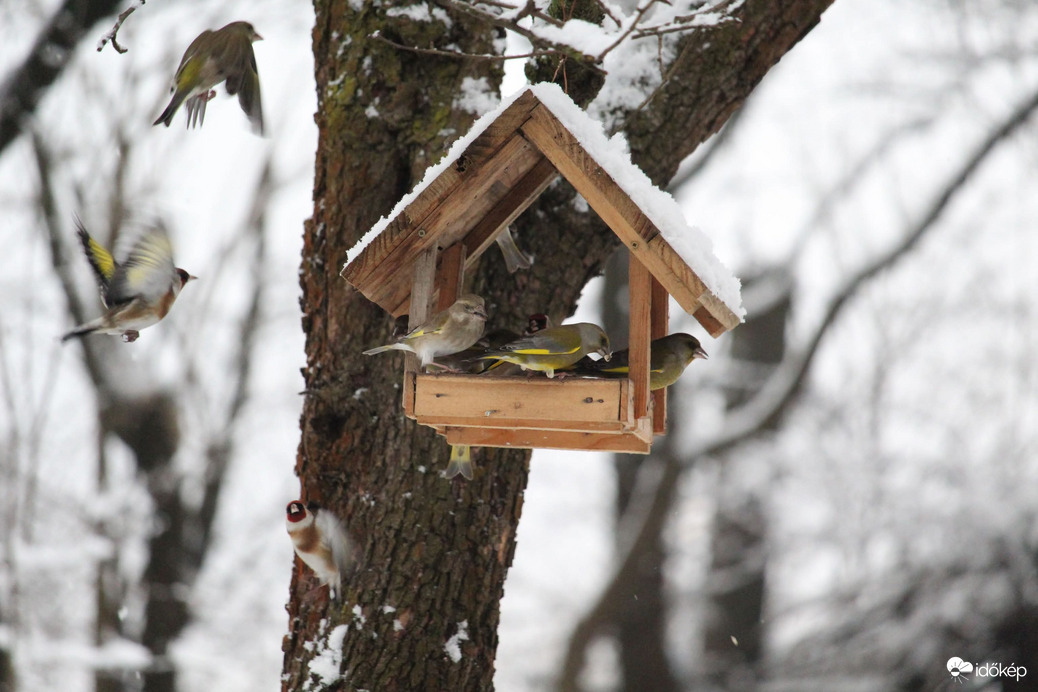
912	452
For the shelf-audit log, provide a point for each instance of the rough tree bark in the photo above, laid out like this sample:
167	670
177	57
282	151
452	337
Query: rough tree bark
433	553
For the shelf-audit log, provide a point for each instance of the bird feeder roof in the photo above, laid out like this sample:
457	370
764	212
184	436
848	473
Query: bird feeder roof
508	158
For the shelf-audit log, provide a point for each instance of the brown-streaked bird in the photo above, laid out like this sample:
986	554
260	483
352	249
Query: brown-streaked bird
137	292
447	332
668	358
320	540
224	55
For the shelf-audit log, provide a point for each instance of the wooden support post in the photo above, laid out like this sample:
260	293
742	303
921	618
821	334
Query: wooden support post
422	286
450	280
639	282
660	314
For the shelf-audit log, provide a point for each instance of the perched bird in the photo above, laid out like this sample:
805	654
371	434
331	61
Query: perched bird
443	334
320	540
515	259
137	292
213	57
461	462
554	348
668	358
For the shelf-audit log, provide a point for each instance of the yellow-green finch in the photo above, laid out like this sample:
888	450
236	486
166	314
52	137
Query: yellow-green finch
668	358
446	332
460	463
213	57
554	348
137	292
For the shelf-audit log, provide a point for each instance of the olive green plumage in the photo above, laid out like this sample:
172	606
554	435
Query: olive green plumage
668	358
224	55
554	348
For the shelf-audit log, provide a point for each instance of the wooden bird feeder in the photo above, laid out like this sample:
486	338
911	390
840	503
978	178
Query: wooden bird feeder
415	262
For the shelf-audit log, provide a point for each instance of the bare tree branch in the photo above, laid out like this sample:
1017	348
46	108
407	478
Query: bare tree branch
114	31
25	85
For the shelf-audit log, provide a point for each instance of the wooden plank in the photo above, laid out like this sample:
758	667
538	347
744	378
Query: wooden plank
422	290
435	420
614	206
440	398
450	276
639	288
404	225
631	443
449	221
659	328
508	209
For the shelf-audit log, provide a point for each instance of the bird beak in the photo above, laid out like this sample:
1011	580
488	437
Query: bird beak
698	352
480	312
256	37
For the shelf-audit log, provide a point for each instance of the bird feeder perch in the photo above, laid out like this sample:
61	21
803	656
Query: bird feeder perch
414	262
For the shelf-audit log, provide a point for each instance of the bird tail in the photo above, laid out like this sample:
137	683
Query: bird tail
460	463
167	115
383	349
82	330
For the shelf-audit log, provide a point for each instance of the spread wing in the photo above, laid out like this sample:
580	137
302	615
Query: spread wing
147	272
101	261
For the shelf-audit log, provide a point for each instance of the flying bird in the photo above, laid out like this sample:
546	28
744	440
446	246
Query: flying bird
224	55
137	292
320	540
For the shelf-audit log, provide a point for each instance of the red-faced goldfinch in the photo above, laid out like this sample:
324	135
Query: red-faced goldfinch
320	540
137	292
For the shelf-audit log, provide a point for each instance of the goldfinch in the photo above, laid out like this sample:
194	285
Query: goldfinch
137	292
320	540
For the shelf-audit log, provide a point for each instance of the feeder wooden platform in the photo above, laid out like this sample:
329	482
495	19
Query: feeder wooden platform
416	265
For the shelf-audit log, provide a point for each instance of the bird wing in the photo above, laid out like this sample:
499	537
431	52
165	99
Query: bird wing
147	272
337	540
238	60
538	344
101	261
187	72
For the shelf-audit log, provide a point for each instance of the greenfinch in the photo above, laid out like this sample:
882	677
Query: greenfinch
553	348
668	358
515	259
137	292
447	332
460	463
213	57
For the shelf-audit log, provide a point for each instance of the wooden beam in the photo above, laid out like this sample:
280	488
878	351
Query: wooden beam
509	208
639	288
450	277
660	310
439	399
422	286
631	443
447	222
621	214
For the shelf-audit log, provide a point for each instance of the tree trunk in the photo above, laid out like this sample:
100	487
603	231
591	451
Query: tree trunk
421	611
